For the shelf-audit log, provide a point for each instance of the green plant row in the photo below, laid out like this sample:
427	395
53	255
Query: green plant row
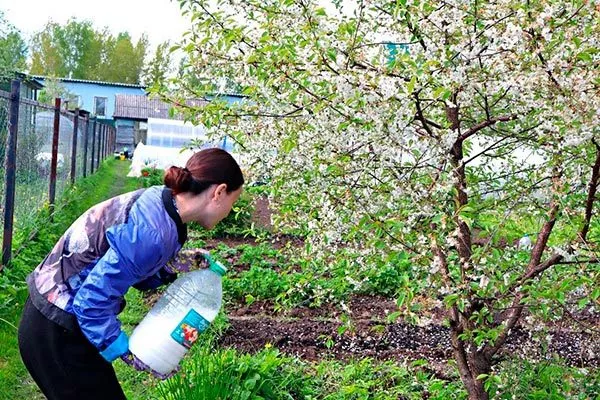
261	272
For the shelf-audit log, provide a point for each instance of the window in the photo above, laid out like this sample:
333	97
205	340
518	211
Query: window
100	106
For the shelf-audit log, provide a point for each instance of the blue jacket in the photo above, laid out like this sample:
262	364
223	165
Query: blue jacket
122	242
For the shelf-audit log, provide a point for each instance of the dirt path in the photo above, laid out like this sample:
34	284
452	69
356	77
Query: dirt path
121	170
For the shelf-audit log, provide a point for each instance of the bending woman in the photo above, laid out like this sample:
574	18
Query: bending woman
69	333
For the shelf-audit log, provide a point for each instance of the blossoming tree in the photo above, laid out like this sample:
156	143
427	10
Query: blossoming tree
443	130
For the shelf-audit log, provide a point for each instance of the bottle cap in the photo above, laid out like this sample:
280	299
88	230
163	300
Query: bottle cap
215	265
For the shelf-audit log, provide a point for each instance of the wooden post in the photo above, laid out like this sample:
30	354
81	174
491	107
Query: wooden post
104	142
10	163
85	144
54	161
100	142
93	146
99	135
74	146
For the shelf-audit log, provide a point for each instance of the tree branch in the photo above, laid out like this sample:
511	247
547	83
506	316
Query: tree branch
534	268
421	117
456	329
474	129
592	188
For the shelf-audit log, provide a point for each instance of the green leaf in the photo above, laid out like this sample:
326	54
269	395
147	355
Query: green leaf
560	296
410	87
401	299
583	302
393	317
437	93
332	54
450	300
289	144
584	56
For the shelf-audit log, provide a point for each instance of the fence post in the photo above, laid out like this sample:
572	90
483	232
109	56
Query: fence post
98	148
98	135
10	163
101	145
104	143
54	161
110	142
74	146
93	146
85	144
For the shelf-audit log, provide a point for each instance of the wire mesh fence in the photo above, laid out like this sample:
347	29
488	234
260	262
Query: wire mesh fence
33	160
49	142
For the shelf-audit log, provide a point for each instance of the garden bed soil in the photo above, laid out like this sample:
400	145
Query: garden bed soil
314	334
321	333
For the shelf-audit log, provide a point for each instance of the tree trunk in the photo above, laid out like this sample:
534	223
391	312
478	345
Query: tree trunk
475	389
476	366
471	363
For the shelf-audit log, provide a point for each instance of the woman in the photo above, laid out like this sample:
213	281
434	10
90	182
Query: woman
69	332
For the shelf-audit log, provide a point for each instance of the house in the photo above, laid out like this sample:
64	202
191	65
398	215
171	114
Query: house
132	113
97	96
131	117
29	86
29	91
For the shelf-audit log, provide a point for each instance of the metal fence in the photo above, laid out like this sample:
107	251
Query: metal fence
44	150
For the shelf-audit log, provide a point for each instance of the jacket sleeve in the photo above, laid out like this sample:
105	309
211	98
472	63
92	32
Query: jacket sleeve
136	252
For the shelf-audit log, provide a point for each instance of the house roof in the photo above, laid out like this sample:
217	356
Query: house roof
104	83
141	107
27	79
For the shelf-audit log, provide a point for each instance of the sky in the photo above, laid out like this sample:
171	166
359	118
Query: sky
161	20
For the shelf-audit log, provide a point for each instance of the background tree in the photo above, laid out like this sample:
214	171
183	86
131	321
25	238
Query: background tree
77	50
13	50
124	60
481	126
156	72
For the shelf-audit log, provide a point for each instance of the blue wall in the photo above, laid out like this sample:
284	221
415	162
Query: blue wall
87	92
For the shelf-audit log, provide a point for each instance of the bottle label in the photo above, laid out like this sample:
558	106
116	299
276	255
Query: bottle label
189	328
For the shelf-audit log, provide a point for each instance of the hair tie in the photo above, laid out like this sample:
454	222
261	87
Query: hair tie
184	169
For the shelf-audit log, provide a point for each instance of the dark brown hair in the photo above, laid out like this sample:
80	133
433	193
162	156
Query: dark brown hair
205	168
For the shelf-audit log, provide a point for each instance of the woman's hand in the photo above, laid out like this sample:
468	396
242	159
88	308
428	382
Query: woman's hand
186	259
130	359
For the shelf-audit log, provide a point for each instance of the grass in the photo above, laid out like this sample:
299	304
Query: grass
107	182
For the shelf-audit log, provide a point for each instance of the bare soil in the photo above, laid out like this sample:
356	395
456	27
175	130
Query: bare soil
262	213
314	334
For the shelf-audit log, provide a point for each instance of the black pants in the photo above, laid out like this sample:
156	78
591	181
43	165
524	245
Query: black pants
64	364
